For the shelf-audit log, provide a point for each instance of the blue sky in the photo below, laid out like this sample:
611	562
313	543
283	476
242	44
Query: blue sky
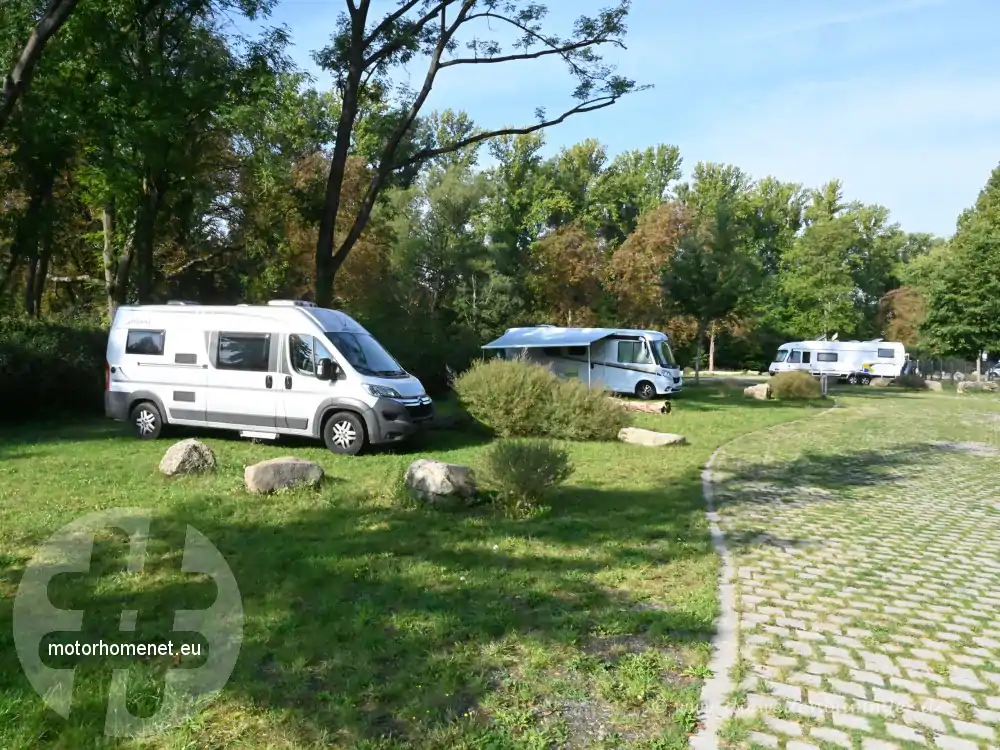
900	99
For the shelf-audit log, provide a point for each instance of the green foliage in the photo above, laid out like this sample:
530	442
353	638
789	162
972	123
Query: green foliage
523	473
520	399
795	385
47	369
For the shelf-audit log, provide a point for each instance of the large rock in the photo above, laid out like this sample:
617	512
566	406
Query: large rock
649	438
436	481
972	386
881	382
282	473
187	457
649	407
933	385
761	391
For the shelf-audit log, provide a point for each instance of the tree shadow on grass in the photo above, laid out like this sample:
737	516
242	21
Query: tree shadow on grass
369	621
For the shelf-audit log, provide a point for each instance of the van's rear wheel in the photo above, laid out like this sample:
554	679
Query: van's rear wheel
344	433
147	422
852	378
645	390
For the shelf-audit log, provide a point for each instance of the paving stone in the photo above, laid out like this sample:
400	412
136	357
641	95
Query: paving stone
870	743
804	709
822	668
783	726
973	730
764	740
787	692
909	685
966	678
947	742
938	706
987	716
860	675
848	688
874	709
833	736
904	733
852	721
902	700
804	678
925	720
797	745
827	700
958	695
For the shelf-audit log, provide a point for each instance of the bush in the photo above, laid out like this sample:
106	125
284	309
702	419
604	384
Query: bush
795	385
523	473
910	381
515	398
50	368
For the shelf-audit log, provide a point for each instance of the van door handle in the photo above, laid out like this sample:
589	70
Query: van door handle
288	381
268	381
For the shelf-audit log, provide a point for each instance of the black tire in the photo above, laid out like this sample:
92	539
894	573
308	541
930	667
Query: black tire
146	420
852	379
645	390
344	433
865	380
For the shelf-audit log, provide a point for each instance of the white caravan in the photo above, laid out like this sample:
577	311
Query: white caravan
853	361
618	360
285	368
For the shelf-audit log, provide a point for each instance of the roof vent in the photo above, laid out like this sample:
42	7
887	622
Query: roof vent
290	303
181	302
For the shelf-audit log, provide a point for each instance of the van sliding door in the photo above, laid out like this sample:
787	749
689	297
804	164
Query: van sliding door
243	380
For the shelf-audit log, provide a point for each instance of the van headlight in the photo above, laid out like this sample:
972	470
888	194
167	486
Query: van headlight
382	391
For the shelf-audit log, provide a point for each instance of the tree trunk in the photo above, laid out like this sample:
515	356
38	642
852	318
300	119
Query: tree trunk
145	230
110	262
699	341
27	236
42	272
16	82
711	349
29	285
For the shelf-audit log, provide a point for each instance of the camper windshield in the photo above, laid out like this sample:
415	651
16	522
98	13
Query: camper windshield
366	355
781	355
662	354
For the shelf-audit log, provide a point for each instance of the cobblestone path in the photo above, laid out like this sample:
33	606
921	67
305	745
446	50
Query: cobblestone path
867	553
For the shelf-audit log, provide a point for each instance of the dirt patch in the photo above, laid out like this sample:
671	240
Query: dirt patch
984	450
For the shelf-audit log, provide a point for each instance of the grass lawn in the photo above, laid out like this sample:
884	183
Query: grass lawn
373	624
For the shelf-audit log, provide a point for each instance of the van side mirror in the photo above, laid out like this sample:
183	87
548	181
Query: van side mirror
327	369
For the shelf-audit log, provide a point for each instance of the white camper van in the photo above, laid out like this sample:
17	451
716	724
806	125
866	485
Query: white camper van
853	361
285	368
618	360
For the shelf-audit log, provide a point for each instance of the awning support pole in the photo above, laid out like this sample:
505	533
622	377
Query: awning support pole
588	366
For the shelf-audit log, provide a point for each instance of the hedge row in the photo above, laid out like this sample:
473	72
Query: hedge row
48	369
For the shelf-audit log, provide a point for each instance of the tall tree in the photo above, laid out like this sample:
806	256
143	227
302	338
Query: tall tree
364	52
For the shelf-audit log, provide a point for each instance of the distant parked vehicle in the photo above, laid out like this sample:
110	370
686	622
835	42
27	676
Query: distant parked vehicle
994	372
857	362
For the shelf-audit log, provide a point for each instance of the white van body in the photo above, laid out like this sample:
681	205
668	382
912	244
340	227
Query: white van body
619	360
845	360
259	370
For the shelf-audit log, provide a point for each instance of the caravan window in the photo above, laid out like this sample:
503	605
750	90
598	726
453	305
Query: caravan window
886	354
145	342
781	355
576	351
795	358
244	351
633	352
826	356
807	358
305	352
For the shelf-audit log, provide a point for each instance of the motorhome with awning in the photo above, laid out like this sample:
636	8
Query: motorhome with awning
626	361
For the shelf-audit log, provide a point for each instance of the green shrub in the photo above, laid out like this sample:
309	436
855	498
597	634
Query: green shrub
515	398
795	385
523	473
51	368
911	381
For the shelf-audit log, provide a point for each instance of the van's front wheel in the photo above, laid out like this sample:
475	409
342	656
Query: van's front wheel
645	390
344	433
147	422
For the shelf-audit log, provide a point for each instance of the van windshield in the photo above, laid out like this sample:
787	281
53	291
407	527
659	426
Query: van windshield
366	355
662	354
781	355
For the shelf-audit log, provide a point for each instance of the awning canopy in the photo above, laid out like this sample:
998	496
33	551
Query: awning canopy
533	338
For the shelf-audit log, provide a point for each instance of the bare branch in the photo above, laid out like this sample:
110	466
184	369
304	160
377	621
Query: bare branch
401	11
561	51
430	153
394	46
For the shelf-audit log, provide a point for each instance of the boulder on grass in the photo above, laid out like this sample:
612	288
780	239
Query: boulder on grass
933	385
972	386
761	391
881	382
436	481
649	438
282	473
187	457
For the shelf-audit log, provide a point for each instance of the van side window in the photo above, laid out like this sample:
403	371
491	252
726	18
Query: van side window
305	352
244	351
145	342
576	351
633	352
826	356
886	354
807	358
795	357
